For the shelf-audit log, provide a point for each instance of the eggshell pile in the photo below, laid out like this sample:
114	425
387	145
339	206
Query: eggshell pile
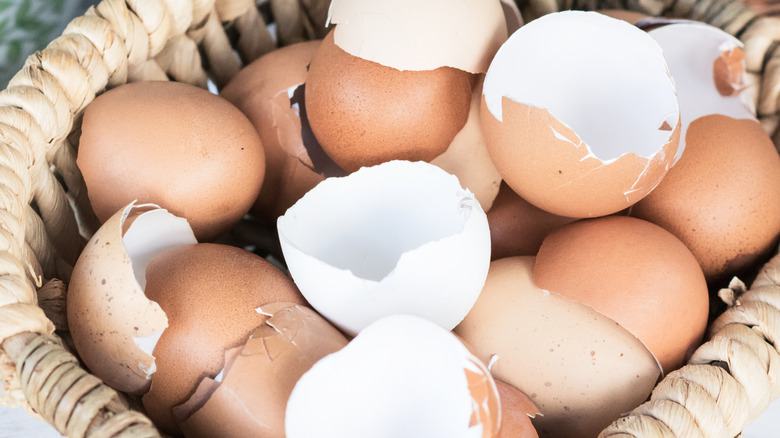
393	79
402	376
175	145
539	122
400	237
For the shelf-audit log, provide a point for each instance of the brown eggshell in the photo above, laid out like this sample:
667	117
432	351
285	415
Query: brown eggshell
722	199
541	158
625	15
517	227
364	113
259	377
261	91
468	159
209	293
579	367
516	412
175	145
637	274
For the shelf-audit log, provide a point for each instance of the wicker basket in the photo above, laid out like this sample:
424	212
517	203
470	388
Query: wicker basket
44	211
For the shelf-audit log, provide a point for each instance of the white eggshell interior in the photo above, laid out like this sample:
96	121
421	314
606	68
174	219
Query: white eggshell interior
690	50
402	376
400	237
602	77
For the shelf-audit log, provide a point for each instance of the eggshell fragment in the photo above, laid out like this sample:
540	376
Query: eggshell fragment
402	376
516	412
115	327
400	237
420	35
257	379
581	368
539	122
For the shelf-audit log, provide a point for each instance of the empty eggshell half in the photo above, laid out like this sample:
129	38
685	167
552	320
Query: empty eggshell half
402	376
413	35
400	237
582	369
115	327
249	397
565	122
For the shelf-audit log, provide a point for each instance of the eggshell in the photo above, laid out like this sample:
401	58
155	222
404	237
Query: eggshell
210	294
420	35
516	412
637	274
175	145
403	376
270	91
728	218
517	227
400	237
364	113
113	324
538	120
581	368
256	382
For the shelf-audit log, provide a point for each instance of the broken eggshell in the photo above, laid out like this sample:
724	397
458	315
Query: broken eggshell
516	412
115	327
400	237
249	397
585	144
403	376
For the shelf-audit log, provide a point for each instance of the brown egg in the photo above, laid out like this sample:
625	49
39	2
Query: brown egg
517	227
210	294
722	199
175	145
634	272
364	113
516	412
270	91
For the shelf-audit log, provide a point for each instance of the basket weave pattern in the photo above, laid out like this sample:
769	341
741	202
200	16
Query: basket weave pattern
44	210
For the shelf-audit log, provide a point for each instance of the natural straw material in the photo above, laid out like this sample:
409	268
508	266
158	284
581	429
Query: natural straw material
45	215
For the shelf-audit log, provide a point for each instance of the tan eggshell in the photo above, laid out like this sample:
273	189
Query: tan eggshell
468	159
579	367
107	308
173	144
516	412
364	113
625	15
414	35
517	227
209	293
635	273
722	199
258	378
540	158
512	16
262	91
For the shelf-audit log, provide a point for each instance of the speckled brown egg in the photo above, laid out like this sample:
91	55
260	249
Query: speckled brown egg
364	113
174	145
210	294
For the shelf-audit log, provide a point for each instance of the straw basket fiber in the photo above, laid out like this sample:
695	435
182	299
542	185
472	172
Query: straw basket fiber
45	215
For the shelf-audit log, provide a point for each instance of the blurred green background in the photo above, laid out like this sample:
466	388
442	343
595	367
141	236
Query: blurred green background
28	25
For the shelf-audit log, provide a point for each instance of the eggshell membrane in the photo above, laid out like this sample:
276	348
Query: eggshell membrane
258	379
468	159
722	199
637	274
702	58
113	324
538	120
364	113
401	376
209	293
586	370
516	412
413	241
262	91
414	35
175	145
517	227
